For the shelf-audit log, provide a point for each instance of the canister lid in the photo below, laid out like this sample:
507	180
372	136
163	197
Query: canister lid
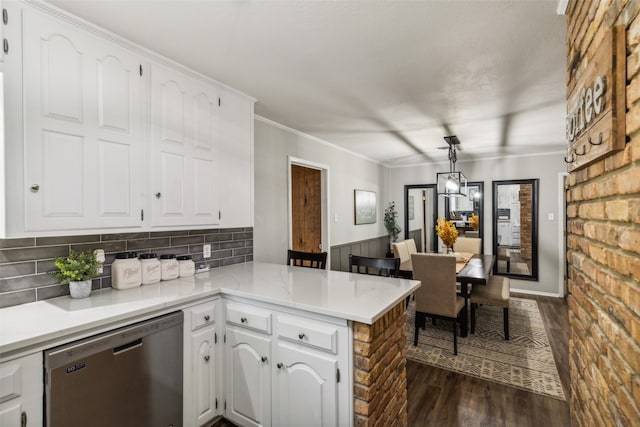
183	257
167	256
148	256
125	255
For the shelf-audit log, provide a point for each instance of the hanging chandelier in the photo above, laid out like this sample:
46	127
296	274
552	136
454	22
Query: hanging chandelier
452	183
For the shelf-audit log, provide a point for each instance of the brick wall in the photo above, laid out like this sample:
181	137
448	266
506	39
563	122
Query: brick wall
526	221
604	240
24	263
380	376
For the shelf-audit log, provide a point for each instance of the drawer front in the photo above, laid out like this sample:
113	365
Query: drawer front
10	381
203	315
249	317
308	333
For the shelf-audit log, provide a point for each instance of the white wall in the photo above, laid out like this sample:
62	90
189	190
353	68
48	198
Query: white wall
272	146
543	167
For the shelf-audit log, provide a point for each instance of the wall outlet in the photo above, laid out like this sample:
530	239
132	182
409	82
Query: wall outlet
206	251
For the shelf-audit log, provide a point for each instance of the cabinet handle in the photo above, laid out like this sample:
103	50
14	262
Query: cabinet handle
35	188
280	365
301	335
206	358
5	46
206	317
23	419
158	195
264	359
243	319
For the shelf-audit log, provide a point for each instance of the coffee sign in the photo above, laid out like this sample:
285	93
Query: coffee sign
596	104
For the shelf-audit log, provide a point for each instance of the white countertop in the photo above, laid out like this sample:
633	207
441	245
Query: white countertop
349	296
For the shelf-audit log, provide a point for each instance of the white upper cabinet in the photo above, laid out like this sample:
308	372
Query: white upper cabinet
234	159
183	131
108	137
82	129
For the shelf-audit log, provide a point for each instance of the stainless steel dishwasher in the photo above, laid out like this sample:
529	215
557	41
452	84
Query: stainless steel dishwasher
130	376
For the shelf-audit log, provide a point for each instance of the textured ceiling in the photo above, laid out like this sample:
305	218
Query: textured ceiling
385	79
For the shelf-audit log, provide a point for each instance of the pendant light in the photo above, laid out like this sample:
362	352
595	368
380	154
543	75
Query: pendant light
452	183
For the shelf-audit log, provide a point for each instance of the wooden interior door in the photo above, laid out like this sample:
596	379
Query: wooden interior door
306	209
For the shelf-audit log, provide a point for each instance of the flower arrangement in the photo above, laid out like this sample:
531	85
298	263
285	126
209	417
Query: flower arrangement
475	221
447	231
391	221
76	267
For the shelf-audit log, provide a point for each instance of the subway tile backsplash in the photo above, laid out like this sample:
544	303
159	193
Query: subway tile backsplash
25	262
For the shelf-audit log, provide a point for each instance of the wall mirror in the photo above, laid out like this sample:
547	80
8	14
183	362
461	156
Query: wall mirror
459	210
515	228
420	211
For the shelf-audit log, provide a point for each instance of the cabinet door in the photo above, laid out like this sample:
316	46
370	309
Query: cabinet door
234	159
21	391
306	387
248	378
82	128
203	364
183	129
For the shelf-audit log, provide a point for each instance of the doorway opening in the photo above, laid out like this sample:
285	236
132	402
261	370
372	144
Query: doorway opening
308	206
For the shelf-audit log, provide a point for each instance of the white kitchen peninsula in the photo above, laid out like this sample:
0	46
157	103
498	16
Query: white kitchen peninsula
327	322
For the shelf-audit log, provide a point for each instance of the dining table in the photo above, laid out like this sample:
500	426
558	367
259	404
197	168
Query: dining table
471	269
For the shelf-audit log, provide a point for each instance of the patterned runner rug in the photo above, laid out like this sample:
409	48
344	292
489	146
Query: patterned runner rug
525	361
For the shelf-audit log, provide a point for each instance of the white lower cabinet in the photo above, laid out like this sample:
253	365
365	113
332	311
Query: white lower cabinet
284	369
21	391
248	377
305	388
201	363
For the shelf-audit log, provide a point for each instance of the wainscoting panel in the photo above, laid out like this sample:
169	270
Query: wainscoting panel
376	248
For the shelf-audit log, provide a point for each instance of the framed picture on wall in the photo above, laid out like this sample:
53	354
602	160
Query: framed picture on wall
365	207
410	209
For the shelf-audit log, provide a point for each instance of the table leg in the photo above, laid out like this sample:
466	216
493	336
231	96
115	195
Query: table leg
464	327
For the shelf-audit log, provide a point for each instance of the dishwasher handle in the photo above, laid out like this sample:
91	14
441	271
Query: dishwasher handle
128	346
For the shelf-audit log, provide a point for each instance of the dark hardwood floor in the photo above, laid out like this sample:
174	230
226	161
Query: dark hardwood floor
443	398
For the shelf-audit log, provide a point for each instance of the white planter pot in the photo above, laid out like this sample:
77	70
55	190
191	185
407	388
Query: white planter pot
80	289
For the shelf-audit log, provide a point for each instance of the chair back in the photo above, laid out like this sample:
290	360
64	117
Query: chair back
411	246
388	267
437	295
471	234
307	259
468	244
401	251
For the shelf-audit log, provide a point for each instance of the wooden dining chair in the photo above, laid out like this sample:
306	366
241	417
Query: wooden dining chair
307	259
387	267
495	293
468	244
437	297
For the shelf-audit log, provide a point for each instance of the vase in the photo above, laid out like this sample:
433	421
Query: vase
80	289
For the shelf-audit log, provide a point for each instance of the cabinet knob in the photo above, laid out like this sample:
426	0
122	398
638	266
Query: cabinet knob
280	365
264	359
301	335
206	358
158	195
207	317
243	319
35	188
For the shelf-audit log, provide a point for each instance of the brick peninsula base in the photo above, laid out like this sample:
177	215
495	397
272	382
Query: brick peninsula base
380	375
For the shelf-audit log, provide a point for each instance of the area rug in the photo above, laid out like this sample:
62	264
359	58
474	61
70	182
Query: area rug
525	361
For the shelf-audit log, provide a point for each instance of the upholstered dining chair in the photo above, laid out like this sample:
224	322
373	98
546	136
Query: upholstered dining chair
468	244
401	251
411	246
495	293
474	234
307	259
437	296
388	267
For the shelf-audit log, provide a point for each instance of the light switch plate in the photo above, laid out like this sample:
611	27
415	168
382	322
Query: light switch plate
551	216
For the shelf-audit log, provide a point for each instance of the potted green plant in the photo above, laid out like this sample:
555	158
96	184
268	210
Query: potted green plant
77	270
391	222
